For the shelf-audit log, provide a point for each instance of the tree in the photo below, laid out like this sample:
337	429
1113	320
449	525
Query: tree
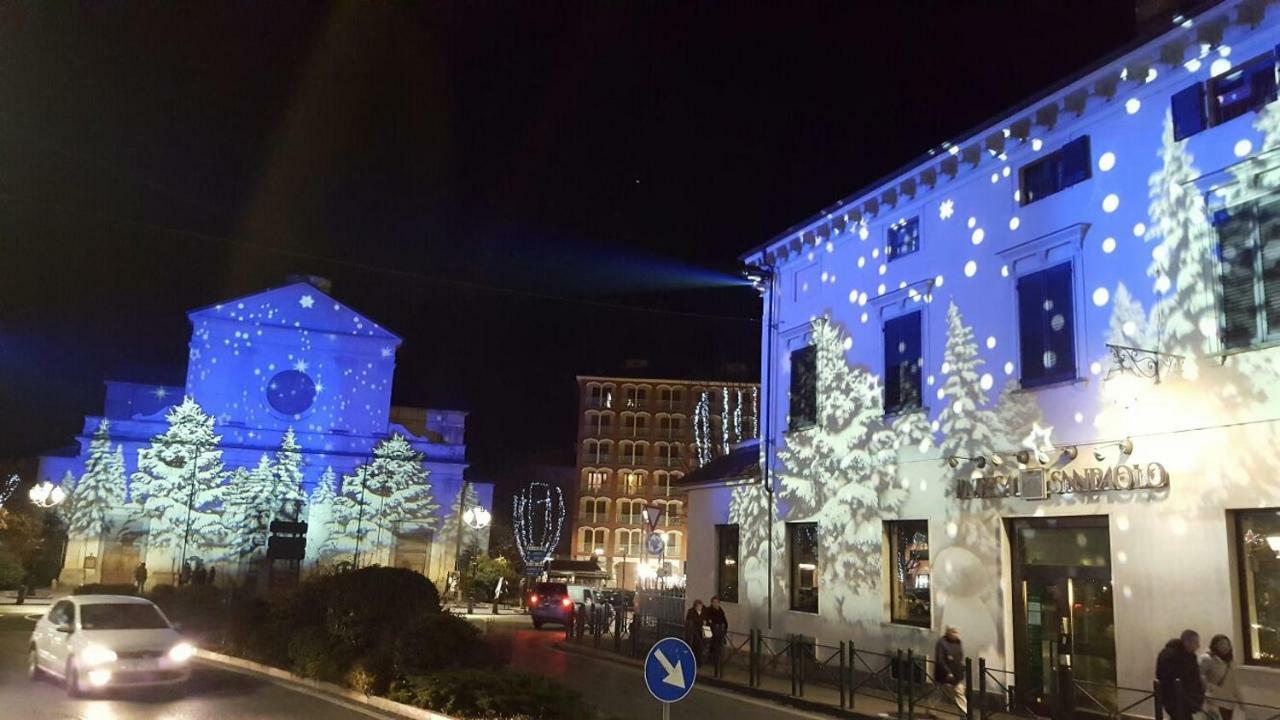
1184	319
1128	325
966	424
178	482
99	491
251	505
1017	413
287	489
449	528
320	515
398	478
843	474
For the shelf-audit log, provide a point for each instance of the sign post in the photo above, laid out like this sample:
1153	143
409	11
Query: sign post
670	670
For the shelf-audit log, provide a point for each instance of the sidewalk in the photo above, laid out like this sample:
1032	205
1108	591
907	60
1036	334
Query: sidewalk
816	698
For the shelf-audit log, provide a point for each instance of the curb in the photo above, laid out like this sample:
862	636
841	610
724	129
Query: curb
319	687
725	686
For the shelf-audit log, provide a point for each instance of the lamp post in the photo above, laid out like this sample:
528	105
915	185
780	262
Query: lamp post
45	494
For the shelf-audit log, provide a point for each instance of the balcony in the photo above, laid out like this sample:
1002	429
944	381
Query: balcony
668	462
597	458
590	488
593	518
634	519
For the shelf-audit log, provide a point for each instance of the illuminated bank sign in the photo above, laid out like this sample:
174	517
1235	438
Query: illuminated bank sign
1039	483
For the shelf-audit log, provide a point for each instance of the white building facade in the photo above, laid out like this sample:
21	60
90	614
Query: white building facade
1030	386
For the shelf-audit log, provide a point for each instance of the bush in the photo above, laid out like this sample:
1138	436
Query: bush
485	694
105	589
11	572
440	642
199	609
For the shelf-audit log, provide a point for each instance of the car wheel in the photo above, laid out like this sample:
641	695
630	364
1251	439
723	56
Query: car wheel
34	672
537	624
74	688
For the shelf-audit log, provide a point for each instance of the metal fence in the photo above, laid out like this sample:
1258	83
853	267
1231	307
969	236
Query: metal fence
848	677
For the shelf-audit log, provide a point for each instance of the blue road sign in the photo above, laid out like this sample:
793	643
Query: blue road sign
655	544
669	670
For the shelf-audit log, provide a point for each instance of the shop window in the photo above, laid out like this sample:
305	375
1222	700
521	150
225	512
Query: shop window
902	363
904	238
804	388
1046	326
802	553
1258	554
1056	171
1249	272
727	562
910	599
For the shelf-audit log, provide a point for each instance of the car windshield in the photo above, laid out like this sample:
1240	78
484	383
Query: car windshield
121	616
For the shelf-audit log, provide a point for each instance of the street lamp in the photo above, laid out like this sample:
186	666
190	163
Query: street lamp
477	518
46	495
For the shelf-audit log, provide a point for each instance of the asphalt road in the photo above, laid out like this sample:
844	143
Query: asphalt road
619	689
212	694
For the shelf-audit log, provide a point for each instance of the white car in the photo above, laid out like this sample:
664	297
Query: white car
94	642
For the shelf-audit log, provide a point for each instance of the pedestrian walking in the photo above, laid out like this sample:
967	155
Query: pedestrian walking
948	664
719	628
694	621
213	573
140	577
1178	675
184	575
1222	696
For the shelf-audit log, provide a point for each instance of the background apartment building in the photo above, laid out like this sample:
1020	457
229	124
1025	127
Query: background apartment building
636	438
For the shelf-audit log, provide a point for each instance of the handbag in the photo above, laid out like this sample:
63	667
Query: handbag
706	632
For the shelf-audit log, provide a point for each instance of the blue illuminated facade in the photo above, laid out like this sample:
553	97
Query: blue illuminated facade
290	357
1029	382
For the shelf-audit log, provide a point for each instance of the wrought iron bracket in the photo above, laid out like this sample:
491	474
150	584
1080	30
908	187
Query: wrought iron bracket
1148	364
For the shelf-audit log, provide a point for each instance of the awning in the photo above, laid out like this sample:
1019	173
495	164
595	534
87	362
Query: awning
742	464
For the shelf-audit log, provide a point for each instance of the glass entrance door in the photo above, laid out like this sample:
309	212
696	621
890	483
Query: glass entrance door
1064	619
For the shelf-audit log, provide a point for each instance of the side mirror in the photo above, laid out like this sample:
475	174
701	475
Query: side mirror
67	628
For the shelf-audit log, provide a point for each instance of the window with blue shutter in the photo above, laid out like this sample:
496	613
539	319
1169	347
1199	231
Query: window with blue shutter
1187	107
1246	87
1249	273
803	409
1057	171
1046	326
904	238
902	363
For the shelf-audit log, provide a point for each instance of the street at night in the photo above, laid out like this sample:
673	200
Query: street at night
615	360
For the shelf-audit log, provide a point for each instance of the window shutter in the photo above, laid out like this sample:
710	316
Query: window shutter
1075	161
1236	260
1269	247
804	387
909	361
1060	355
1188	111
1031	348
892	382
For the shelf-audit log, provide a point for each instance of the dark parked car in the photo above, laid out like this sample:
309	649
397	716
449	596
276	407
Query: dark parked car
550	602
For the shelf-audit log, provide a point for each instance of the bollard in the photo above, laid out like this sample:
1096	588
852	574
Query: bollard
791	656
843	672
897	684
982	689
801	661
753	659
853	663
968	688
911	681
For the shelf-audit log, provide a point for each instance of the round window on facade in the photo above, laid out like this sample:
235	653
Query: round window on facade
291	392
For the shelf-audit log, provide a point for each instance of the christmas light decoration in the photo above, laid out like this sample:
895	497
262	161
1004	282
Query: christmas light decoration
702	428
724	418
7	488
535	543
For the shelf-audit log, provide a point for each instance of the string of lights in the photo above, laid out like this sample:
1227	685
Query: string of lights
7	488
724	417
702	428
551	500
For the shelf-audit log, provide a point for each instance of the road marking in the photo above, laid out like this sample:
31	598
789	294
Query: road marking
674	675
340	702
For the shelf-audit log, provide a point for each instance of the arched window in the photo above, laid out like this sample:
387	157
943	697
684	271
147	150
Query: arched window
675	511
595	394
662	482
628	542
594	479
631	481
674	549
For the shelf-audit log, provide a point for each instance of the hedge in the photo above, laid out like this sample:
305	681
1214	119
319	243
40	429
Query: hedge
492	694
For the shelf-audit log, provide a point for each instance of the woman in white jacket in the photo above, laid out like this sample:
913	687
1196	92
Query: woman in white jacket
1216	669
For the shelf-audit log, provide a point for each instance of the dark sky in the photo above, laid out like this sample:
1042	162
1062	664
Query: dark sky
497	182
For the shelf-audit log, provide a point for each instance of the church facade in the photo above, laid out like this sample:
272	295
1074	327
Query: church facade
286	414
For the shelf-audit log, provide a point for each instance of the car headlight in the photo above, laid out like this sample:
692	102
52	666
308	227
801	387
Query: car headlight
97	655
182	652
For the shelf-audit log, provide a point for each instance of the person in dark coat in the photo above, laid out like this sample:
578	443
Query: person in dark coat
948	668
140	577
694	620
719	628
1178	673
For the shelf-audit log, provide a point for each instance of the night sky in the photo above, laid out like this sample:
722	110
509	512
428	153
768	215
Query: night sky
524	191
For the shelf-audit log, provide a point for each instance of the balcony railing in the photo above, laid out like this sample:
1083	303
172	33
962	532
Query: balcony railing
595	458
630	519
668	462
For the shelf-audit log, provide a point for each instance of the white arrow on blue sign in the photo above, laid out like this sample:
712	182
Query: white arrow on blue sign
670	670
